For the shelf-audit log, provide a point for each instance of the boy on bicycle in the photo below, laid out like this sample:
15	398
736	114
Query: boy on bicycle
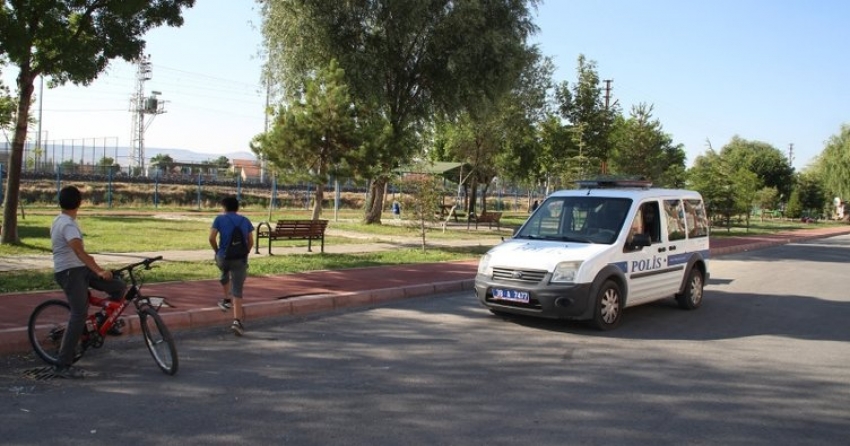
75	271
234	269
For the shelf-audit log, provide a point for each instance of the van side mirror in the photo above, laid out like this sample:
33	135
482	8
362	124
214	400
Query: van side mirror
641	240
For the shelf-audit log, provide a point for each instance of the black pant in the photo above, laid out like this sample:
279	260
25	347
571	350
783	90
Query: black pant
75	282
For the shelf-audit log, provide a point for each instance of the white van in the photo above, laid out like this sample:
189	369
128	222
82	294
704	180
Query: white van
587	254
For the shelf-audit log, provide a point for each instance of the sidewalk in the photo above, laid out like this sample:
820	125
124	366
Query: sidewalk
310	292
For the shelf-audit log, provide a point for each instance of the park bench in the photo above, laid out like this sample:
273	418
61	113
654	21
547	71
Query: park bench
485	217
292	230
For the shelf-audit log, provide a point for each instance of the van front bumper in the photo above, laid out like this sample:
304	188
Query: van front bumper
561	301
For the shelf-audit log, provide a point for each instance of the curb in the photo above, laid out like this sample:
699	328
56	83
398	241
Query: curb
15	340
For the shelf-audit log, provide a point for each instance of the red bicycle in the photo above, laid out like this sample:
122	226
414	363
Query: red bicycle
48	321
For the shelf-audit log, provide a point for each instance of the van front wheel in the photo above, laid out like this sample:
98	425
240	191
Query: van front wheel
691	297
609	306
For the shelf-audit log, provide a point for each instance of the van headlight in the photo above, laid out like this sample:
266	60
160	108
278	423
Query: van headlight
565	272
484	266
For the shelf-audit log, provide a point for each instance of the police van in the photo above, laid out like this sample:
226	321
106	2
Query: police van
589	253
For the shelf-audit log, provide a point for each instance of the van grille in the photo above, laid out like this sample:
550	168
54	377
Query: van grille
518	275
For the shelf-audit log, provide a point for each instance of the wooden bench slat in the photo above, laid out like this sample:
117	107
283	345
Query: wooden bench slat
488	217
293	229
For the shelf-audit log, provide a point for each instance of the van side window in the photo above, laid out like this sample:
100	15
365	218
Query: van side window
696	218
675	219
647	222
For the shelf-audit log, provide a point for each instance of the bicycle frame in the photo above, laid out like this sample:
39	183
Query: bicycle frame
114	309
46	331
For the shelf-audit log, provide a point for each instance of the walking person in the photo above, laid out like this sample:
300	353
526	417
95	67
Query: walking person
231	238
75	271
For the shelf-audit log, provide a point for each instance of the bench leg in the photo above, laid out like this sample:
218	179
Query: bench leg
309	245
270	246
323	243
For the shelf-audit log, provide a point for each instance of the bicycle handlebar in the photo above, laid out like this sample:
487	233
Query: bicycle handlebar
146	263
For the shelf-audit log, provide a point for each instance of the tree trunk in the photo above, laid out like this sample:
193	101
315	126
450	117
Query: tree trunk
376	208
9	234
472	198
320	198
484	197
367	205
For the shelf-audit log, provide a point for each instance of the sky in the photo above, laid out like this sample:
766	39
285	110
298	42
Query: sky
770	71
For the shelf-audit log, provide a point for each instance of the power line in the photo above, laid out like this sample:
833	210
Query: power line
221	79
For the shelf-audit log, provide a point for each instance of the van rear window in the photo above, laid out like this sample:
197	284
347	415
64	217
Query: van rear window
696	218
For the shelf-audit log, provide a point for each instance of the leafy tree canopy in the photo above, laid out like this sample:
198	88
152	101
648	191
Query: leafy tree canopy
405	60
768	163
584	107
641	148
7	103
315	135
69	40
833	164
74	40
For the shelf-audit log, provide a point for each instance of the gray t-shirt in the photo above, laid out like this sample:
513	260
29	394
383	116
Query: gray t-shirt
64	229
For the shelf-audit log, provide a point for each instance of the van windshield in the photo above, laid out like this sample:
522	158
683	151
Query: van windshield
577	219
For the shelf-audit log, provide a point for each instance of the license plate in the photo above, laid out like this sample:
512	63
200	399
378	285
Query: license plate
511	295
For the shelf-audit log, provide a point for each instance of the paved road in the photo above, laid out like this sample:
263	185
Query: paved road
763	362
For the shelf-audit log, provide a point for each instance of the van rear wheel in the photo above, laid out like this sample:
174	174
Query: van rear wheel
608	311
691	296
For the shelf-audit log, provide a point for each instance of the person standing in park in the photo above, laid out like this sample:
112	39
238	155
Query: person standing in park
75	271
231	238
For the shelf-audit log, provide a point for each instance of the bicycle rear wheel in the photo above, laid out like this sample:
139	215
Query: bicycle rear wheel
46	328
159	340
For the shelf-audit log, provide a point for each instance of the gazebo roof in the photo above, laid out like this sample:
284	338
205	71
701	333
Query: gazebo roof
449	170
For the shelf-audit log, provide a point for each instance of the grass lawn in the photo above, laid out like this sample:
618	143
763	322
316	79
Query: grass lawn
768	227
138	231
260	266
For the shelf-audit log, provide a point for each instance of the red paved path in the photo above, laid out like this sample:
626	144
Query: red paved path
317	291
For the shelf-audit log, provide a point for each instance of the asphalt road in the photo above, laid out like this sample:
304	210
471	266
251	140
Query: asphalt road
764	361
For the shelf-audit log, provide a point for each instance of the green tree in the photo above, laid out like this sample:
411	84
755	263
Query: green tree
641	148
584	107
422	197
767	162
794	208
163	162
222	162
812	194
833	164
106	165
767	199
557	147
404	60
68	40
746	185
316	135
498	136
7	103
728	190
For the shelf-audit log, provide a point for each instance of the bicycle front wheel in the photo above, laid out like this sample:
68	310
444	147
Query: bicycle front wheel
159	340
46	328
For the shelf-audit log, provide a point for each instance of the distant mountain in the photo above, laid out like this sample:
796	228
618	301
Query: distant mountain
122	154
192	156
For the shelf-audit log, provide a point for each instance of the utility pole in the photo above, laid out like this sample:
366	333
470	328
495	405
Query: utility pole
607	106
791	154
265	130
139	107
608	92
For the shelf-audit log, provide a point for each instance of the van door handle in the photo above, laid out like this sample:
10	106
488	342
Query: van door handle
672	248
662	249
